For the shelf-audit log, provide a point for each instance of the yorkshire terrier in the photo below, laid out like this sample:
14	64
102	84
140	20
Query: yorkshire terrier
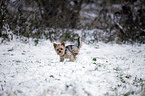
69	51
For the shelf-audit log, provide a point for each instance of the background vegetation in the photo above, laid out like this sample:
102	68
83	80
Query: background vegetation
119	20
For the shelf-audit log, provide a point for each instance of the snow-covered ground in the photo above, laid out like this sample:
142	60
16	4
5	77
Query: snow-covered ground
100	69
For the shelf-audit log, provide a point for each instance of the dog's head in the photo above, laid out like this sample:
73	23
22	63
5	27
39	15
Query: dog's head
59	48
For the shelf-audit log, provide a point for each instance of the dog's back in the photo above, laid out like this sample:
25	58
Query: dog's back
74	49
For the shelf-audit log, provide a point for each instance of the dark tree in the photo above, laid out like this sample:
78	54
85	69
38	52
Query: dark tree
60	13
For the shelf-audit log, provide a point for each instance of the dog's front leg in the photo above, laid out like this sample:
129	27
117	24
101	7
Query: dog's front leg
61	59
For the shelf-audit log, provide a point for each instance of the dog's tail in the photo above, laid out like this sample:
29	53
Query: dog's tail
79	42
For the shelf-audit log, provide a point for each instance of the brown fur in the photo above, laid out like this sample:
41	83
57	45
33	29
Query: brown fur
60	49
70	51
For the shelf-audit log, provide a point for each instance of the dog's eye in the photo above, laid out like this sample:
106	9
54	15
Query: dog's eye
61	48
57	49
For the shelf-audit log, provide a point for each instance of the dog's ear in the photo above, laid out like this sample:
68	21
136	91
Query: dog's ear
54	44
63	44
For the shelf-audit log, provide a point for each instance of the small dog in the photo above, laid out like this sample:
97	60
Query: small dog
69	51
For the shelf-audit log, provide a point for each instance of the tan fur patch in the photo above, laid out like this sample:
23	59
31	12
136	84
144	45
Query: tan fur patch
69	51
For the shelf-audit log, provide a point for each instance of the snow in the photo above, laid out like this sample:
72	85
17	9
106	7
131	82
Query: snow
100	69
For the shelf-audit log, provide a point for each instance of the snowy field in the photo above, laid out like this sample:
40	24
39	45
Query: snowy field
100	70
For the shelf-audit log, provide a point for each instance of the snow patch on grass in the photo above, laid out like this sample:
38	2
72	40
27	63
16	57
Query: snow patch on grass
100	69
